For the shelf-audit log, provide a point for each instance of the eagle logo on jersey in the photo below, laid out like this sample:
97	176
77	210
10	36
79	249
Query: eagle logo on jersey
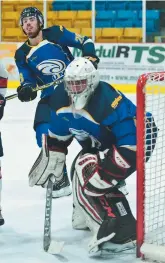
52	67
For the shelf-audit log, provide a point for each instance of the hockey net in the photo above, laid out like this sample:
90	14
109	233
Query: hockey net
151	175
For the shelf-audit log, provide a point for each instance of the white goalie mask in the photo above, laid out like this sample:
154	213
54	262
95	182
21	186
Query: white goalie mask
81	79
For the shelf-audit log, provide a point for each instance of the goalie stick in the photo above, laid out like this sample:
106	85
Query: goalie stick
57	82
52	247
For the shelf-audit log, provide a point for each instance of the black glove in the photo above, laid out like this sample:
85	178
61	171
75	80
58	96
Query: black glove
2	105
93	60
26	93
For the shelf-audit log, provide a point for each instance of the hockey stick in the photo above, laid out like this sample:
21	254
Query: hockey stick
52	247
57	82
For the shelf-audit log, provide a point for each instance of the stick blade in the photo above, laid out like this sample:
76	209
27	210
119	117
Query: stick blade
55	247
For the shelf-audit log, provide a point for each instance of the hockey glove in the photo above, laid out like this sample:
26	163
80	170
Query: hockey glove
2	105
26	93
93	60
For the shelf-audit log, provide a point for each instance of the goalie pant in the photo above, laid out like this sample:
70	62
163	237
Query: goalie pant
107	215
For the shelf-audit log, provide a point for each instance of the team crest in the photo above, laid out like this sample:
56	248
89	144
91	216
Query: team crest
52	67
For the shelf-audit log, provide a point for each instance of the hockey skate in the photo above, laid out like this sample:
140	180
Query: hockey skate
63	187
2	221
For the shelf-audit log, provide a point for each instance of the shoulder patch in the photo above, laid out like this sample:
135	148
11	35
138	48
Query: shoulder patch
79	38
116	101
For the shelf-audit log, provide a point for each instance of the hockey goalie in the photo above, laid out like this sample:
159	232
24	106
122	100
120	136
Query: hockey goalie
103	121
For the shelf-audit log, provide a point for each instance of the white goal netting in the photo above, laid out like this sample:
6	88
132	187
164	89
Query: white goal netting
153	89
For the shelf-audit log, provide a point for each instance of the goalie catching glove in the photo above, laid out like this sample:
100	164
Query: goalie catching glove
50	162
100	172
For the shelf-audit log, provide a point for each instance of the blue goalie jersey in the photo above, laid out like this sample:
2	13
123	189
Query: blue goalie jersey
46	62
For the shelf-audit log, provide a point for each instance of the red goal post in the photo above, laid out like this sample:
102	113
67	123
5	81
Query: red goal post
151	175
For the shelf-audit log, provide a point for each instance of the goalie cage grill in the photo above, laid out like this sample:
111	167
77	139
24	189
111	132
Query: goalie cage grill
151	175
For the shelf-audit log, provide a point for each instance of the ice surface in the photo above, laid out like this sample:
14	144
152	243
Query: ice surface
23	207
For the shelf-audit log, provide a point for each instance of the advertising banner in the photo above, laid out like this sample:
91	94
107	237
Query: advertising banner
120	64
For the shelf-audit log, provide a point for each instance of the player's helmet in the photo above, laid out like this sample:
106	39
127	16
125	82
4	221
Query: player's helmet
80	79
32	11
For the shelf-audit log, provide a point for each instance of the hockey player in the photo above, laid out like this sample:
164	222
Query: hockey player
103	120
3	87
41	60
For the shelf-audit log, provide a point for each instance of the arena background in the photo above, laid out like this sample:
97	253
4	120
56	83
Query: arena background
123	57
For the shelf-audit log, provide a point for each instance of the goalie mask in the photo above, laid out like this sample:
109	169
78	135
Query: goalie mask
81	79
32	11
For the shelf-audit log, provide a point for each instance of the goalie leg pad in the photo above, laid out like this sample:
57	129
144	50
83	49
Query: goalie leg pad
86	207
119	225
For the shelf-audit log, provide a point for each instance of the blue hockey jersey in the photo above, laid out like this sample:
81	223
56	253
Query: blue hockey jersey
109	117
46	62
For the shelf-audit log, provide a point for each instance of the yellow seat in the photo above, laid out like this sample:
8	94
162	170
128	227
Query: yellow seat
75	30
50	23
52	15
86	32
82	23
12	34
64	18
98	32
23	4
84	15
7	7
7	24
66	15
132	35
49	5
65	23
110	35
11	16
22	38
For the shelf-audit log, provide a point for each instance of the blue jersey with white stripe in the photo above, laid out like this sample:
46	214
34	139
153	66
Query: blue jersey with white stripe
46	62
